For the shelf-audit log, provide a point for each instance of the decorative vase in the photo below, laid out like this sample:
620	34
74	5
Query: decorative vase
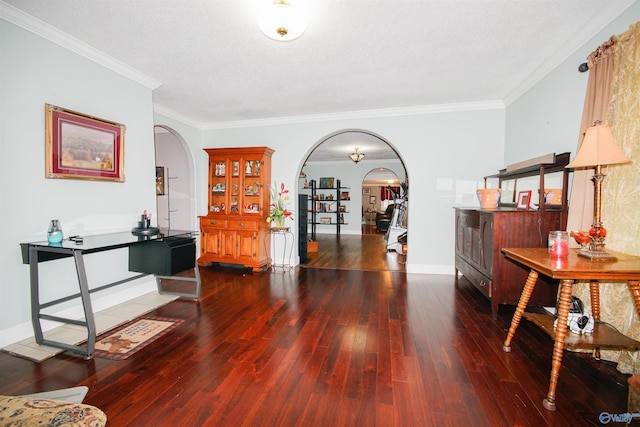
279	220
54	233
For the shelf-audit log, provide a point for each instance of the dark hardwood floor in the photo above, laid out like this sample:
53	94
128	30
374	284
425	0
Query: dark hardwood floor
333	347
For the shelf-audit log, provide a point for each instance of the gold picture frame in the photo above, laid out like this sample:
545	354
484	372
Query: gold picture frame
80	146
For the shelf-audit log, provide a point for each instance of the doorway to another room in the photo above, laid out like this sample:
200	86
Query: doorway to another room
174	181
344	182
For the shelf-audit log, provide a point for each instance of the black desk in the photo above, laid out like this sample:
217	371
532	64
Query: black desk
163	255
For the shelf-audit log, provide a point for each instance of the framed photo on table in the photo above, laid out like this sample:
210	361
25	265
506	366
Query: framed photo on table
524	200
79	146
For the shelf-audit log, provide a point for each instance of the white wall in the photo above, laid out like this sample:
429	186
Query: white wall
547	118
446	155
34	72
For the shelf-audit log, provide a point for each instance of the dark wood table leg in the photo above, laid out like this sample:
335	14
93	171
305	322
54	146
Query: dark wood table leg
522	305
566	287
594	292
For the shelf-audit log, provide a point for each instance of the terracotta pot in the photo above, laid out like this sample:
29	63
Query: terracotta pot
489	197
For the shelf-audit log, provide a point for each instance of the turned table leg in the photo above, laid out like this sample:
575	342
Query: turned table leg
566	287
594	292
634	287
522	305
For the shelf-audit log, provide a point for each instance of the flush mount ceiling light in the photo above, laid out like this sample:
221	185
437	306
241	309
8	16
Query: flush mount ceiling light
357	156
282	20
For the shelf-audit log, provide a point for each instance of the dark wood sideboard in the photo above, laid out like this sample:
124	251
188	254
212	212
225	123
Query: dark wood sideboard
480	237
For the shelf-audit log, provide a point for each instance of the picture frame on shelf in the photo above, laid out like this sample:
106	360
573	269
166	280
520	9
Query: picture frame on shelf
326	182
524	200
344	195
325	220
159	181
80	146
343	208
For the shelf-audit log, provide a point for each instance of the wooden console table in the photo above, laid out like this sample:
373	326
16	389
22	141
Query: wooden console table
567	270
163	255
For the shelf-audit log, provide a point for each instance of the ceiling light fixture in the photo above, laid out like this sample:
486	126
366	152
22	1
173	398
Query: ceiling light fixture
283	20
357	156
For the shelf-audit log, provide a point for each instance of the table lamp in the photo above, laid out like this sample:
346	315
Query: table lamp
598	149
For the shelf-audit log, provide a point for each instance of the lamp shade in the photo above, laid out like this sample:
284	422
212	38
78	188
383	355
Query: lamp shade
282	20
598	148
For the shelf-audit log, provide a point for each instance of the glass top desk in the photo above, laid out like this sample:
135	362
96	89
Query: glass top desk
163	254
567	270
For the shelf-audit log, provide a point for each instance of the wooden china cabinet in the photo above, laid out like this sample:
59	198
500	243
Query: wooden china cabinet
235	230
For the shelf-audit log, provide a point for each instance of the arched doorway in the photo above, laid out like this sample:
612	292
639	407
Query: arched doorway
378	185
175	188
330	160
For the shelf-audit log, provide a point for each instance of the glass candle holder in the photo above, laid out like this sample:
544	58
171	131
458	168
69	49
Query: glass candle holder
559	244
54	232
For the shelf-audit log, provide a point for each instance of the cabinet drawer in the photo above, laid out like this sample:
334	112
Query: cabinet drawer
213	223
243	224
479	280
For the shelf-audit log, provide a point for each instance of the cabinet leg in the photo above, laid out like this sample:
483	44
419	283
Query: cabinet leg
566	287
522	304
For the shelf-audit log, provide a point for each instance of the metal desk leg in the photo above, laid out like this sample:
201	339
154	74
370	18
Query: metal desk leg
86	302
36	307
196	279
35	295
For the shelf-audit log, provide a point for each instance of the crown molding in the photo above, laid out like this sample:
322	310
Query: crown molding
610	12
363	114
46	31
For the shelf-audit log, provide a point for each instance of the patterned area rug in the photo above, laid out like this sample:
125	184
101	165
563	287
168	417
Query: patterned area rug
121	343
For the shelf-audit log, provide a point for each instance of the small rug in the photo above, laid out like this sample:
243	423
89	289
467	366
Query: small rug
121	343
73	394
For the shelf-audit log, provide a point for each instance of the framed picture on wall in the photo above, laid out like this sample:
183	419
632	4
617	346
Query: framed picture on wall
79	146
366	190
372	200
524	199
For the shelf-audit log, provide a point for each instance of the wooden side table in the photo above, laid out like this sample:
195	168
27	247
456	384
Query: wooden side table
567	270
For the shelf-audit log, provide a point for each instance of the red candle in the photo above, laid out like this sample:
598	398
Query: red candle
558	244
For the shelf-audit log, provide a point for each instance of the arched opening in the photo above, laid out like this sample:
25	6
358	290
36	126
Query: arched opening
175	188
377	196
336	197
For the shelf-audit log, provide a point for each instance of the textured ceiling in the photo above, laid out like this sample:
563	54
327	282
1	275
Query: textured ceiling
214	67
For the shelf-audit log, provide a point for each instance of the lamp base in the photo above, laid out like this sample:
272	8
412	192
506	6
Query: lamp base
596	255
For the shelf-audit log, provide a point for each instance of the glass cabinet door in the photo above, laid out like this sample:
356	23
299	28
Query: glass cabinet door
253	186
218	196
235	183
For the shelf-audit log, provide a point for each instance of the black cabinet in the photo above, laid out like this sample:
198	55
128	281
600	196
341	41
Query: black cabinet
303	215
165	257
